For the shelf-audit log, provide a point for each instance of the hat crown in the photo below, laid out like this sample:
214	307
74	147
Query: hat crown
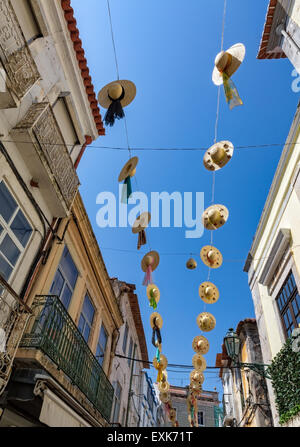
148	260
218	154
221	60
115	90
214	216
211	255
209	291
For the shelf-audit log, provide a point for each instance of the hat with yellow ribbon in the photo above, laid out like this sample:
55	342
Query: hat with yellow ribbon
160	366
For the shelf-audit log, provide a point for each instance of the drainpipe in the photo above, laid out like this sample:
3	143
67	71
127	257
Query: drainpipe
130	383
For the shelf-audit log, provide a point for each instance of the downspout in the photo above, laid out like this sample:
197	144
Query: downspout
130	384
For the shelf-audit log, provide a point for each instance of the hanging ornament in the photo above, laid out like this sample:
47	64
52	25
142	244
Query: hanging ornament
191	264
139	226
226	64
215	216
165	397
163	386
200	345
113	97
218	155
172	415
149	263
211	256
153	295
126	173
160	366
206	321
199	362
208	292
156	320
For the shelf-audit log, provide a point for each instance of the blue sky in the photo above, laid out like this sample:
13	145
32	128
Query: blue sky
167	48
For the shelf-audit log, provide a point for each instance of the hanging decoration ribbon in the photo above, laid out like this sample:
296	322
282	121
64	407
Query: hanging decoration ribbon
127	190
160	374
231	93
148	276
152	303
156	340
115	110
142	240
157	355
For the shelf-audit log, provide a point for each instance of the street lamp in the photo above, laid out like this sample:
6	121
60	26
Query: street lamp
232	343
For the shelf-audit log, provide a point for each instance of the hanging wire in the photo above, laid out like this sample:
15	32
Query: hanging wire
113	40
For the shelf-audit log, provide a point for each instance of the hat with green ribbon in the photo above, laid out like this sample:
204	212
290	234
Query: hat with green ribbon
153	295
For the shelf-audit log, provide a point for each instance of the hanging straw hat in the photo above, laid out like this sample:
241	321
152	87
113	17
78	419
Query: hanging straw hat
206	321
165	397
196	378
228	62
172	414
151	258
128	169
153	292
208	292
163	386
218	155
158	320
199	362
211	256
115	90
141	222
191	264
215	216
200	344
162	364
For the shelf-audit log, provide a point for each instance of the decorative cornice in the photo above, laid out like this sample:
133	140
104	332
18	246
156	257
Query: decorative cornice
82	63
263	53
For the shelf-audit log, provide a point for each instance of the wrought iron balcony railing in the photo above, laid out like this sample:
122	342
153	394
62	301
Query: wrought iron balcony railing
52	330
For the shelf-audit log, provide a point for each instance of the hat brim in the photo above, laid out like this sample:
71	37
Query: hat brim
148	290
215	296
238	52
165	397
129	93
155	262
208	162
206	222
204	347
196	383
218	257
129	166
159	320
141	223
212	322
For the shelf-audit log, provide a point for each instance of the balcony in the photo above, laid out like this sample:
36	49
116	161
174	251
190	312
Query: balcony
41	144
18	69
52	331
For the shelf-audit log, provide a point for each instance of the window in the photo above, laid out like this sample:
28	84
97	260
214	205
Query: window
125	338
288	302
86	318
62	115
117	401
65	279
101	346
130	351
201	418
15	232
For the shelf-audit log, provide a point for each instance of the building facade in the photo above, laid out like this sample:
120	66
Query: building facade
126	375
48	115
281	35
206	403
245	397
273	263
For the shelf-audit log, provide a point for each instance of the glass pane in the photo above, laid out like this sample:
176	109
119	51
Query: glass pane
69	269
88	309
1	229
5	268
103	338
57	284
8	204
86	333
21	228
66	296
125	338
10	250
81	324
100	355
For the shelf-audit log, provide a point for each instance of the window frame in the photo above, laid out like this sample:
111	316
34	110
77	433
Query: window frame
287	305
98	353
125	338
87	295
117	399
202	412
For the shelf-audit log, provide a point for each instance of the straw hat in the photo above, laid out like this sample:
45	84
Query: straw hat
165	397
191	264
163	386
211	256
141	222
228	62
206	321
196	378
215	216
199	362
153	292
200	344
208	292
114	90
158	320
162	364
195	389
218	155
172	414
128	169
151	258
